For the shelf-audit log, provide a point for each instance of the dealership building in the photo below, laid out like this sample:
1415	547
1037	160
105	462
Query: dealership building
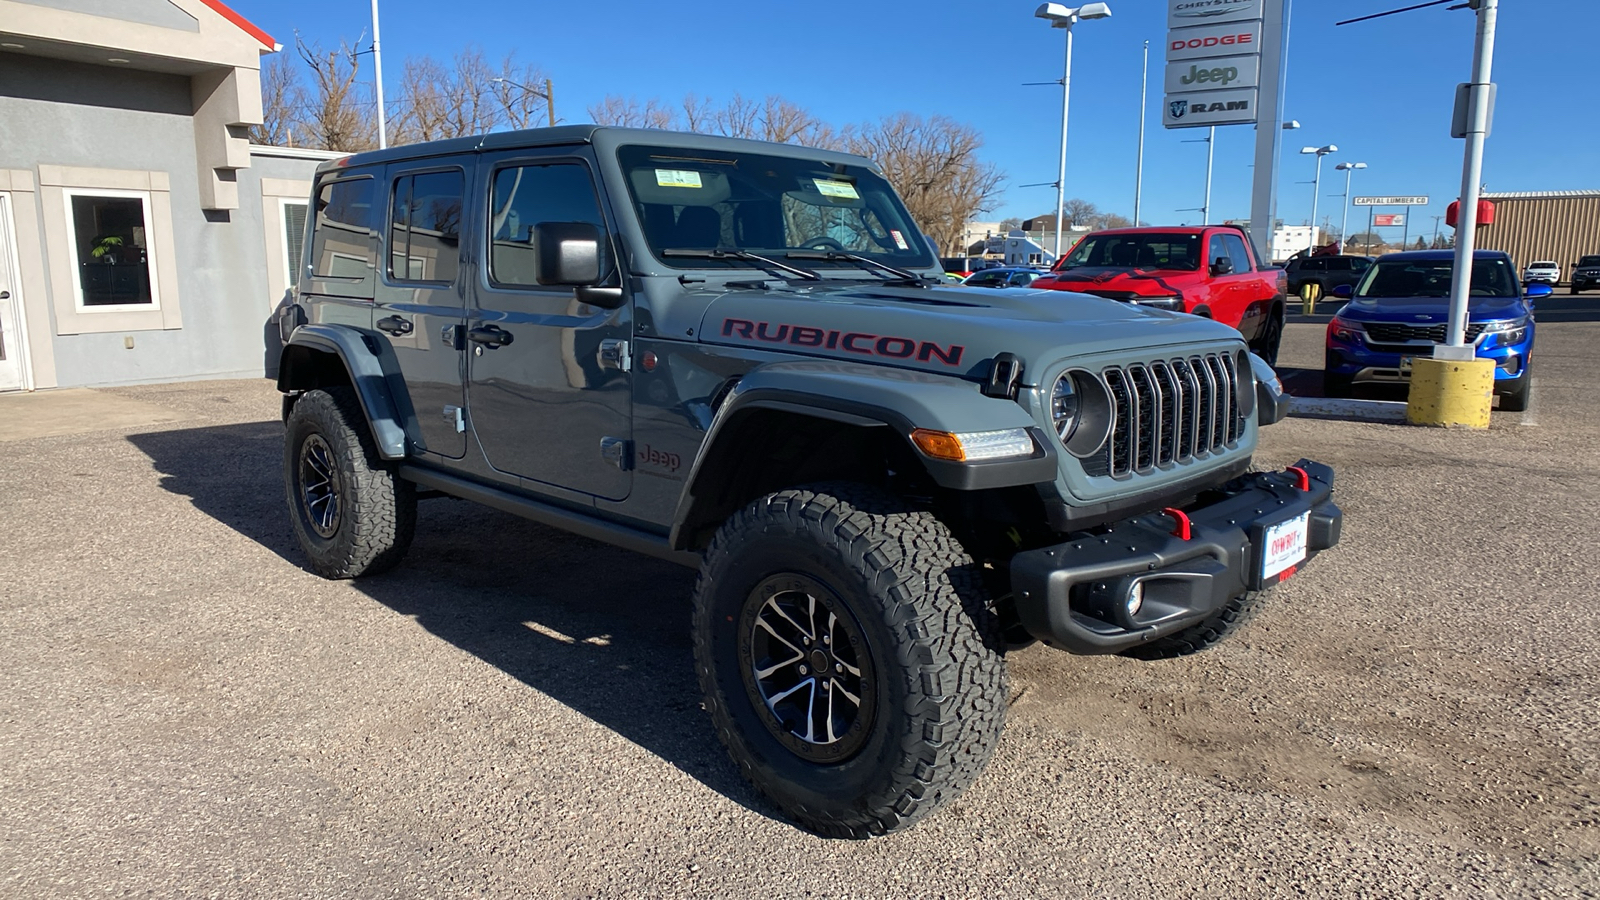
142	237
1544	225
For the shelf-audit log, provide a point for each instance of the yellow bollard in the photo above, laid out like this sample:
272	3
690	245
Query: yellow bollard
1309	292
1451	392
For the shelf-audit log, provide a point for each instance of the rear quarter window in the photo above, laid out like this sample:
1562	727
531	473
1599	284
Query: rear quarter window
342	237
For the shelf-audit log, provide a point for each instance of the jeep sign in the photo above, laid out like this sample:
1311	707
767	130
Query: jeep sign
1213	40
1185	76
1210	108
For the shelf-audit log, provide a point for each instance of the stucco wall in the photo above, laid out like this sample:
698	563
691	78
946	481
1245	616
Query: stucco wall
58	113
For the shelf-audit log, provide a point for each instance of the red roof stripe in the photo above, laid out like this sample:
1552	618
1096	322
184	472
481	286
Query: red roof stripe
245	24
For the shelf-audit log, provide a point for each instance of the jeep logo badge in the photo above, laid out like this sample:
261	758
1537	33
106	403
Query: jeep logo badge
1178	108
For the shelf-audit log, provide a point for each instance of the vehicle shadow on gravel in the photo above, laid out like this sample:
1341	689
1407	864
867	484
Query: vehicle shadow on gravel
599	629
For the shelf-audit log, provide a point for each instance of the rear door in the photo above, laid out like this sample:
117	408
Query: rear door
544	405
419	303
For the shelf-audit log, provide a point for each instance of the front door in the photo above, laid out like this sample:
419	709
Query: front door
11	343
419	303
543	404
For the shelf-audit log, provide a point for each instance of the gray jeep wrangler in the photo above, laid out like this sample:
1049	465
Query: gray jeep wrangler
739	356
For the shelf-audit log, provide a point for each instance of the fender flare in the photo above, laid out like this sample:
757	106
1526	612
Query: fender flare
373	372
872	397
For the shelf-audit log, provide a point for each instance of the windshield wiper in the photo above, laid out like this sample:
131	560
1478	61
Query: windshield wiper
771	265
863	261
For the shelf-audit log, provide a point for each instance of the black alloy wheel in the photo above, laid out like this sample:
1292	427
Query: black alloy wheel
806	665
318	486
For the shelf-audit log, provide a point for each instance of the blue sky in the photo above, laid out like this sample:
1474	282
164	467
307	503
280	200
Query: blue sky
1380	90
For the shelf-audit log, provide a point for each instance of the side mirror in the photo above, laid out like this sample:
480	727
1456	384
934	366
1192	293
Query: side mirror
1539	290
566	253
1222	266
1344	291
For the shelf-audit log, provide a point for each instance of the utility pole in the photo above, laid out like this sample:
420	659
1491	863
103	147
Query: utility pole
377	79
1144	98
1435	230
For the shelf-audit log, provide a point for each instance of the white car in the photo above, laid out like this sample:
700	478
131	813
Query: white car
1547	272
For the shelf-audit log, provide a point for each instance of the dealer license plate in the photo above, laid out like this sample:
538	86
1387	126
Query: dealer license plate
1284	545
1405	366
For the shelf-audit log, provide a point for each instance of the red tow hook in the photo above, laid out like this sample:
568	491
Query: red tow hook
1184	530
1305	478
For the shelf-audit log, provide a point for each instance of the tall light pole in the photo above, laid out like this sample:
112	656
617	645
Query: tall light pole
1211	153
377	79
1471	175
1344	223
1144	98
1316	185
1062	16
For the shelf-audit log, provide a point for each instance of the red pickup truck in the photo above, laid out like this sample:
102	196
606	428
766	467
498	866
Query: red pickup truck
1209	271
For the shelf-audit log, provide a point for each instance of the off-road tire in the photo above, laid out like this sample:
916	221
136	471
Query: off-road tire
1225	621
376	509
930	633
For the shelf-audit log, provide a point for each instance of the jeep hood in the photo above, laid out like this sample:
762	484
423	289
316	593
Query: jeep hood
948	330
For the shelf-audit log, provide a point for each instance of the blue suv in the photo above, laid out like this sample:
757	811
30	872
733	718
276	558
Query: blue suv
1401	308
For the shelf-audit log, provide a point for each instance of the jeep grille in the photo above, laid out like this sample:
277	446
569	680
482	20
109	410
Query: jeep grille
1168	411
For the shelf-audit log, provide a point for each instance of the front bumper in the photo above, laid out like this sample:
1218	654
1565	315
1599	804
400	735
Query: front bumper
1361	362
1073	595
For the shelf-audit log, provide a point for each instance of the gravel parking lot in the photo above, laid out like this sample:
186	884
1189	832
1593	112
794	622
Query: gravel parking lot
187	712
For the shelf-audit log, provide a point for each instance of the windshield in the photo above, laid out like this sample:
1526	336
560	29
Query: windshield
988	277
767	205
1541	265
1589	261
1431	278
1136	251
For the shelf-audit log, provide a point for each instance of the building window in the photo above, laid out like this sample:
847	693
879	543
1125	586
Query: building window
111	250
294	238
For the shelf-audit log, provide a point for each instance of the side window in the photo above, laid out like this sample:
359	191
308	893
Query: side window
1360	264
525	196
1236	252
341	245
1314	265
1338	264
425	226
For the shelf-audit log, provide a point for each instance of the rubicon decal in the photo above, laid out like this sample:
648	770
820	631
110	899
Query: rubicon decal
860	342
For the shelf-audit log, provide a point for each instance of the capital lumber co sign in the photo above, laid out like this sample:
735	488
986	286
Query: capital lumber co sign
1389	201
1213	62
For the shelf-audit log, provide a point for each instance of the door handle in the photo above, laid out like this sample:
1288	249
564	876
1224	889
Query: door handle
493	335
394	325
5	295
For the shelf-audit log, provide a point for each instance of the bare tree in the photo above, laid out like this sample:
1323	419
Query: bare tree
423	103
934	165
339	115
627	113
283	99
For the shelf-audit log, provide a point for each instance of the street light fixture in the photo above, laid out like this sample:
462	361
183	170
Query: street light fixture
1344	223
1316	183
1062	16
548	94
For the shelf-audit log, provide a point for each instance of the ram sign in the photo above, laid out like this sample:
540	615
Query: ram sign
1209	108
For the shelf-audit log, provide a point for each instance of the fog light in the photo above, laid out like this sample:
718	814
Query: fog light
1136	598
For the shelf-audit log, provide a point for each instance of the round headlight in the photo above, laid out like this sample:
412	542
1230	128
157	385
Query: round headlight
1080	409
1244	385
1064	405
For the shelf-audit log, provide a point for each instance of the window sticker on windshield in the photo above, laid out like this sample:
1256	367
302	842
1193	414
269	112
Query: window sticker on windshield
899	239
841	189
677	178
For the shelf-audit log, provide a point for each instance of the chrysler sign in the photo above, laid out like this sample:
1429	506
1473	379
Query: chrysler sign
1183	13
